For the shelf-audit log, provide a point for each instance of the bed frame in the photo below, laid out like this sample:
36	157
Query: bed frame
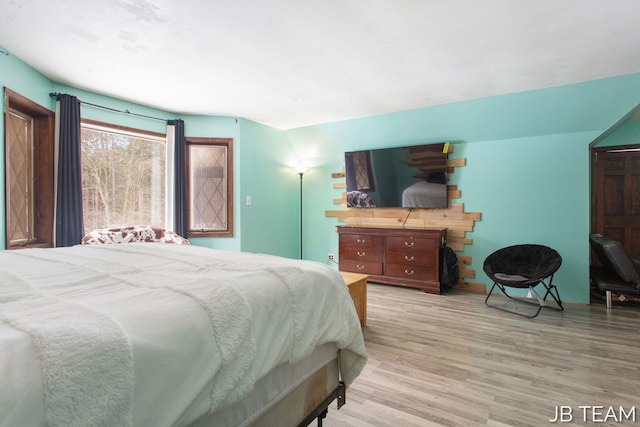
309	401
298	405
321	411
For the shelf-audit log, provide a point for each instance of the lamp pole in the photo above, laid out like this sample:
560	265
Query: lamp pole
301	173
301	169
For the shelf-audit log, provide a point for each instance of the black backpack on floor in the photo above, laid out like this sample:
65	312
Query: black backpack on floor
449	272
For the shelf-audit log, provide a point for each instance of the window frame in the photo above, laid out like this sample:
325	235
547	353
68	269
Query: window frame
43	170
228	144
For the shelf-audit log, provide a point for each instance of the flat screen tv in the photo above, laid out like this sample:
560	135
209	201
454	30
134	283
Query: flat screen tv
399	177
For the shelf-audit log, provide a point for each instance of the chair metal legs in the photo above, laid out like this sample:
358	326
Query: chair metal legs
551	290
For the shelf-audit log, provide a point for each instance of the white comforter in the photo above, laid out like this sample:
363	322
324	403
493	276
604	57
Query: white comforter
150	334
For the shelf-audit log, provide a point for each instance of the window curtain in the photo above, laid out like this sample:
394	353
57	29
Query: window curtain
69	223
350	172
179	194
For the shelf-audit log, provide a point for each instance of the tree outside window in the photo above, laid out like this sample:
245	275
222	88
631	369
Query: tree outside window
123	176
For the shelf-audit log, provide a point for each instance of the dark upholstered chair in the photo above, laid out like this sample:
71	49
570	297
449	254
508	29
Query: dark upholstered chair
524	266
619	274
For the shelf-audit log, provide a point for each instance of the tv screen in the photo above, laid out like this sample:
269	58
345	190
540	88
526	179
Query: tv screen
407	177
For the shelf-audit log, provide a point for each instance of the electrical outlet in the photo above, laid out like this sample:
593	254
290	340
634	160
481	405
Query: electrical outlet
331	257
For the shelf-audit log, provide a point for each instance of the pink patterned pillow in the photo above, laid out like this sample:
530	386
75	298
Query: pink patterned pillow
134	233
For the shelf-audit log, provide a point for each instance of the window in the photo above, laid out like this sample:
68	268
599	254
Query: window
362	167
20	172
123	176
209	187
29	173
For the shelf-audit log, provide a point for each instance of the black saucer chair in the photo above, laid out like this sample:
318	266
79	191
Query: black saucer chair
524	266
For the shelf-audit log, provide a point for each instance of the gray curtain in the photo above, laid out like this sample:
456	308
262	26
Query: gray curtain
69	222
180	198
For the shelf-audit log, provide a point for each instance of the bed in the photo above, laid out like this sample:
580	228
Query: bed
155	334
424	194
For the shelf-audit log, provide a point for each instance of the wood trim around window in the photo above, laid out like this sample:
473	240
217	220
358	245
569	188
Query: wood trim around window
43	172
227	229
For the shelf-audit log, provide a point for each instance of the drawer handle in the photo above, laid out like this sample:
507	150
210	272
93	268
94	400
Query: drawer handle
360	267
361	253
359	240
408	258
408	273
408	244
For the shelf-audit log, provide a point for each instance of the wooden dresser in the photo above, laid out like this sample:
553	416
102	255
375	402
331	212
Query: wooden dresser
396	256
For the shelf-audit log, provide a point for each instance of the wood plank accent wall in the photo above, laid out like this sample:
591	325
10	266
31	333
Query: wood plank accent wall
454	218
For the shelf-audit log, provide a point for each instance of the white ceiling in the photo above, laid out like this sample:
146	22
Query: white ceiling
291	63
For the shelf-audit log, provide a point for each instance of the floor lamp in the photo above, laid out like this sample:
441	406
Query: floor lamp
301	170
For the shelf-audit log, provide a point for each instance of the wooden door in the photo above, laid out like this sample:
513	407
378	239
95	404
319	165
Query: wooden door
615	204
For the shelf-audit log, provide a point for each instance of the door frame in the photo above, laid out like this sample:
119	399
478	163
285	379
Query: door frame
594	176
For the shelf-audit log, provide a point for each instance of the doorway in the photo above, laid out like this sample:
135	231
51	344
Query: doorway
615	198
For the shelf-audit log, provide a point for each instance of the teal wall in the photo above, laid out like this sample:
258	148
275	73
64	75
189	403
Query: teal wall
626	132
270	225
527	169
122	119
21	78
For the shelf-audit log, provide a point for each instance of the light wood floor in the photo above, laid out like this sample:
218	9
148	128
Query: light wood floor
450	360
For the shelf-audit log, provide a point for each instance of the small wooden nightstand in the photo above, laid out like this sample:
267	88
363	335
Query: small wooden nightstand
357	284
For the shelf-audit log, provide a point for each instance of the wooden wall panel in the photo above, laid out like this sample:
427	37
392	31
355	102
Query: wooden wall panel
454	218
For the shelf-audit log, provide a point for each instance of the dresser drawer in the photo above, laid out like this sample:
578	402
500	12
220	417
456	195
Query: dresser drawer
363	267
410	258
411	271
361	240
410	244
361	254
